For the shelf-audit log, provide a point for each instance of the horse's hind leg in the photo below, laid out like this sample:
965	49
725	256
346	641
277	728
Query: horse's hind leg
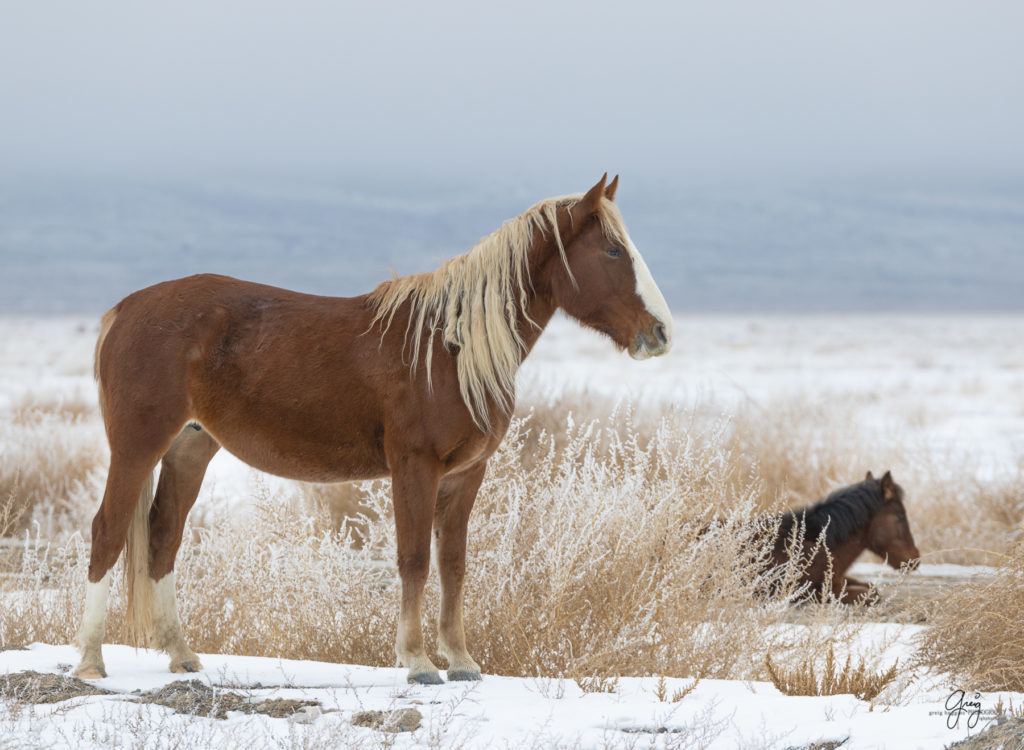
129	482
454	503
181	476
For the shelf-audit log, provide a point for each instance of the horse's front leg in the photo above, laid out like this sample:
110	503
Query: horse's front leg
454	503
414	490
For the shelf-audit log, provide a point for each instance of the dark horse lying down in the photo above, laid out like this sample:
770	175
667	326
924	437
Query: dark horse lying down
868	515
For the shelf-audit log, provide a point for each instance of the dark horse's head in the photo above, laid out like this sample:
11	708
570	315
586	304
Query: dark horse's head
869	514
889	534
605	283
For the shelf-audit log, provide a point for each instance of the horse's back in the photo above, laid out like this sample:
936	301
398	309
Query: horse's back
280	378
210	328
192	298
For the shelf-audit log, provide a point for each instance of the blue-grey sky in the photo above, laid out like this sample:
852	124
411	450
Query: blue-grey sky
737	88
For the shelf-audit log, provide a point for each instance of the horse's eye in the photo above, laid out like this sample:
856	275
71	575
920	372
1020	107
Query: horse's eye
614	252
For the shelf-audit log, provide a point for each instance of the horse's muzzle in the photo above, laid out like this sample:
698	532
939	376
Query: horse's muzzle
654	342
911	560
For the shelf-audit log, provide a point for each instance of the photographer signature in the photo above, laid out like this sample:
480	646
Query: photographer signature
957	705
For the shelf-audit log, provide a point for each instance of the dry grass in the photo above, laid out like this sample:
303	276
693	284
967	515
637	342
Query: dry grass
798	451
977	633
786	453
54	460
598	683
585	565
662	694
804	679
31	406
803	450
345	504
966	520
586	557
1008	710
11	513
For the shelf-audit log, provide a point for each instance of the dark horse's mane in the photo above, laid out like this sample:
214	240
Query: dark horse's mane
841	514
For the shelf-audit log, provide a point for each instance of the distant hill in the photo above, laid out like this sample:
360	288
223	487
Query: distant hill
81	246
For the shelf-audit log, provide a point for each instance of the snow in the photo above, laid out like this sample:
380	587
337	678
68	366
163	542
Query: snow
948	385
869	571
496	712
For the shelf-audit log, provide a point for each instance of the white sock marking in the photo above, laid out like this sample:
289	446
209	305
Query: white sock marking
91	631
166	626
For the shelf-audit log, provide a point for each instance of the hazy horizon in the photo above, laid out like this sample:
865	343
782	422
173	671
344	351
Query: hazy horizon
81	245
797	155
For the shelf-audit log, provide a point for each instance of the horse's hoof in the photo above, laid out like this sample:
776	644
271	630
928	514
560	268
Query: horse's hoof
190	665
463	675
90	673
426	678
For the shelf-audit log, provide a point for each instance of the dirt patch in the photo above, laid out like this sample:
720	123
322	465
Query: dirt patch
281	708
400	720
13	647
199	699
1008	733
653	729
41	687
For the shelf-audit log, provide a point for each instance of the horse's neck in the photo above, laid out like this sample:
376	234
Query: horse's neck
540	307
540	313
847	551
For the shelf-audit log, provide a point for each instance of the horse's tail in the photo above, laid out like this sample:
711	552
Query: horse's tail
106	322
138	584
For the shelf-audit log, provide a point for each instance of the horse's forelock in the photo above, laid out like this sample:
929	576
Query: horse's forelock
612	223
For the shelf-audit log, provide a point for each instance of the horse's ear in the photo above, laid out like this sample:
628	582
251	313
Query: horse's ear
888	486
869	477
594	195
609	192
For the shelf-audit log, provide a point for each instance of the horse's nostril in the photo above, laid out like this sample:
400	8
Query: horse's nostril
659	334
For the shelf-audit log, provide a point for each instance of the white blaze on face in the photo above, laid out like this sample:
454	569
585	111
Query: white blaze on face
649	293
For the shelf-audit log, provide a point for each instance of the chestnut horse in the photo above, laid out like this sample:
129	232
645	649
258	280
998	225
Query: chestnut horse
868	515
414	380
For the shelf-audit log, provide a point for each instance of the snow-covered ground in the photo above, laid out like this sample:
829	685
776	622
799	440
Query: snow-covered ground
954	385
497	712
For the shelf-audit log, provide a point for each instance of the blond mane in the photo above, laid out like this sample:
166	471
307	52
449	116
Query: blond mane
474	301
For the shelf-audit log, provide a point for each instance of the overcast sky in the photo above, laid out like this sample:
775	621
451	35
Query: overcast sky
743	88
